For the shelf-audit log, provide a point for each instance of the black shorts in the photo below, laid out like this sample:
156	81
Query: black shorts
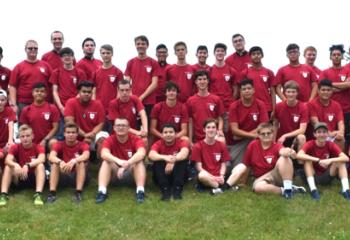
30	182
324	179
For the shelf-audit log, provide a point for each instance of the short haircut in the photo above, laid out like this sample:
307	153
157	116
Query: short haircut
202	48
325	83
291	84
310	48
237	35
71	125
107	47
180	44
245	81
0	50
256	49
66	50
24	127
88	39
161	46
124	82
338	47
220	45
31	41
171	85
85	84
142	38
292	46
56	31
210	120
168	125
39	85
201	73
261	126
122	119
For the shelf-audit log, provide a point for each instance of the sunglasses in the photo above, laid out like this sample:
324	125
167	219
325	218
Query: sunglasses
32	48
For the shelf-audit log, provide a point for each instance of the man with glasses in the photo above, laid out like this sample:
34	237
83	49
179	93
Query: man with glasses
25	75
240	59
301	73
162	55
88	63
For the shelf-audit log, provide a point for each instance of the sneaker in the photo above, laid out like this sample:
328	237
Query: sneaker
315	195
166	194
4	199
346	194
298	189
140	196
288	194
200	187
38	199
100	197
51	198
177	193
77	197
216	191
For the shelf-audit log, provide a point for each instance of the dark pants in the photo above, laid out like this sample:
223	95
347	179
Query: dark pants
175	179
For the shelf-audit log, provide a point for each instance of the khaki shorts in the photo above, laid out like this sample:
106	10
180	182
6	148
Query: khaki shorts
273	177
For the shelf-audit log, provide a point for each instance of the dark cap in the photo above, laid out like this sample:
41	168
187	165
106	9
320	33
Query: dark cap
320	125
0	50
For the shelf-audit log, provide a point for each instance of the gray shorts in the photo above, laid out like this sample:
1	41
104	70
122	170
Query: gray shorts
237	151
127	179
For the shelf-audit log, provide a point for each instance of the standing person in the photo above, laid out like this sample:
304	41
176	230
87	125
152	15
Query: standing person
162	55
88	63
240	59
262	77
53	57
25	75
7	119
68	160
181	73
202	56
323	161
123	154
310	55
106	78
143	72
169	155
5	73
301	73
24	167
202	106
210	157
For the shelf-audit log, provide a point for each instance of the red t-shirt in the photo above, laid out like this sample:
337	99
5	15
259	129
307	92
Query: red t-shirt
67	153
129	110
302	74
5	75
106	83
260	160
160	92
67	82
40	118
176	115
330	150
183	76
89	66
222	81
161	148
290	118
6	116
317	71
141	72
85	116
263	80
248	118
200	109
25	155
198	67
211	156
25	75
125	150
239	62
53	58
337	75
331	114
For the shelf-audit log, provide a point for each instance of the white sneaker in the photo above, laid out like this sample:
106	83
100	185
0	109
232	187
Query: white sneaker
298	189
216	191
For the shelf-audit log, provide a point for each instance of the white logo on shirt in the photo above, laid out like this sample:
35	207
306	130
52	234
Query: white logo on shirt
3	77
227	77
177	119
296	118
47	116
264	78
268	159
42	69
92	115
189	75
133	110
217	156
255	116
74	80
342	78
330	117
211	106
129	153
112	78
6	120
305	74
148	69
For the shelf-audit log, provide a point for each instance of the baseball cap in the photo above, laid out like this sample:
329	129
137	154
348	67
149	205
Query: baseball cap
320	125
3	93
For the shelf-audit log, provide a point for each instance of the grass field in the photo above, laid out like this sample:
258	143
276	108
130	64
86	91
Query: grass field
232	215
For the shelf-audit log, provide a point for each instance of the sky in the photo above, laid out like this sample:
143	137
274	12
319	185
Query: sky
269	24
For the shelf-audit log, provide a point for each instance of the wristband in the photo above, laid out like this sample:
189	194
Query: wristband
28	165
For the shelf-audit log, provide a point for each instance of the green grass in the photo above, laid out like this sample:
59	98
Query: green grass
232	215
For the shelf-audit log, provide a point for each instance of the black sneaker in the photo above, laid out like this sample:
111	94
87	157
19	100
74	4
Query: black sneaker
177	193
346	194
315	195
77	197
51	198
140	196
100	197
288	194
166	194
200	187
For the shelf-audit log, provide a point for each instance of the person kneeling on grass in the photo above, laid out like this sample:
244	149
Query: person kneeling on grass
210	157
169	165
24	166
122	153
68	160
271	165
323	161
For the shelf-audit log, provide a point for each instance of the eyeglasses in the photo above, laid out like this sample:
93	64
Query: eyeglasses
293	52
32	48
57	39
265	133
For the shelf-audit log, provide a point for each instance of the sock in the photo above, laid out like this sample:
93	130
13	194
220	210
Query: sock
287	184
53	193
225	186
79	191
140	188
311	182
38	192
102	189
345	184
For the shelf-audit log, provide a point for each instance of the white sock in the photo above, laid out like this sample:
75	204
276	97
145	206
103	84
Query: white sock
287	184
102	189
345	184
140	188
311	182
